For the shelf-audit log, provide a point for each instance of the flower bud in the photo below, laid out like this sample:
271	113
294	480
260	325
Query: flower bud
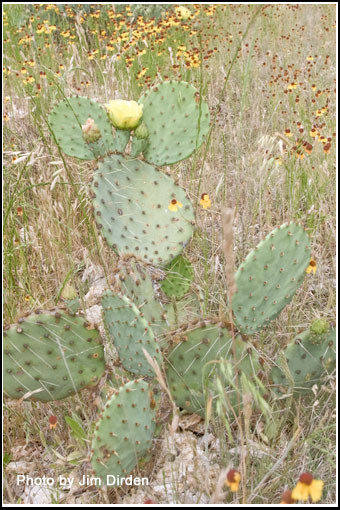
124	114
91	132
142	131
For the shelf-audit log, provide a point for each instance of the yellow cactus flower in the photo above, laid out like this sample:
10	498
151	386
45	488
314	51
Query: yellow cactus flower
205	201
233	480
308	487
174	205
124	114
312	267
183	12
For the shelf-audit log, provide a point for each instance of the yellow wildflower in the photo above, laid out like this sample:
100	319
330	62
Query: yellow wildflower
205	201
174	205
308	487
233	480
312	267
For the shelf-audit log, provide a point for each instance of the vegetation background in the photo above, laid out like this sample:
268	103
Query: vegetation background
268	74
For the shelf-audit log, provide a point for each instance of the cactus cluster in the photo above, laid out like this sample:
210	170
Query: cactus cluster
148	220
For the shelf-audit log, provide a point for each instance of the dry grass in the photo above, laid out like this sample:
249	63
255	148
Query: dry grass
245	167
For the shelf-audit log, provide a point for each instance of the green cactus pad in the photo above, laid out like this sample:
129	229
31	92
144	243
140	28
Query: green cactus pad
190	369
310	356
131	201
130	333
269	277
133	280
178	280
56	352
177	123
124	431
66	120
121	140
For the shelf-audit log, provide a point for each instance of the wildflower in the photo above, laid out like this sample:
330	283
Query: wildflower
327	148
53	421
287	498
307	487
292	86
183	12
205	201
174	205
233	480
124	114
312	267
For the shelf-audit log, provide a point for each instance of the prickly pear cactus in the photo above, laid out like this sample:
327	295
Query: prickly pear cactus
179	278
66	121
269	277
131	201
130	333
190	366
176	120
53	351
310	356
124	431
133	280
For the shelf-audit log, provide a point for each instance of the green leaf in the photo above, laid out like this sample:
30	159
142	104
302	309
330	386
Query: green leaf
7	459
77	430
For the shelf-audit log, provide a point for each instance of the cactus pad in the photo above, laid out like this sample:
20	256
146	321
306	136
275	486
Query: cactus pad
179	277
269	277
124	431
56	352
176	120
130	333
190	369
131	201
133	280
310	356
66	121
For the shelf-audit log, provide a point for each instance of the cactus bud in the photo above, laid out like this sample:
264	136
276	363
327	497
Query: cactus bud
142	131
124	114
91	132
319	326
